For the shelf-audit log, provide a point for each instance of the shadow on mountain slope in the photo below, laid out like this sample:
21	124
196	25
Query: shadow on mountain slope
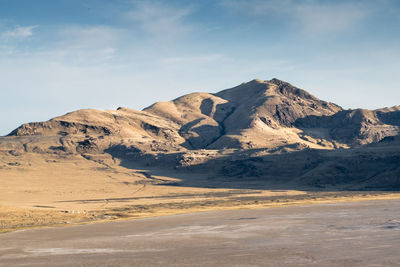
372	168
255	135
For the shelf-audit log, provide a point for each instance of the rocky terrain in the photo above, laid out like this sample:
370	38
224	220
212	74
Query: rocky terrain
260	132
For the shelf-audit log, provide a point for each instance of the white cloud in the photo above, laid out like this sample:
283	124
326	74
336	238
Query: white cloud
160	19
90	36
257	7
193	59
317	19
6	50
313	16
73	44
86	44
108	51
19	32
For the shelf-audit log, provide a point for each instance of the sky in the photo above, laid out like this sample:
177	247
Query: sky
57	56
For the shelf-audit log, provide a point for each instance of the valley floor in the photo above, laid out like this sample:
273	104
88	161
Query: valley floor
16	218
38	190
342	234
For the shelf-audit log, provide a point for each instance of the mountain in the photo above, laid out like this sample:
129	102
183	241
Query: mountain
267	130
356	127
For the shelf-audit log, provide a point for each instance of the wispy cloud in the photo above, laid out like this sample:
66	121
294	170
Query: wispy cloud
320	18
90	36
73	43
193	59
6	50
160	19
88	43
11	38
19	32
313	16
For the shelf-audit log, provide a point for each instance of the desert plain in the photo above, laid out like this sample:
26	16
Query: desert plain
342	234
77	191
264	171
259	144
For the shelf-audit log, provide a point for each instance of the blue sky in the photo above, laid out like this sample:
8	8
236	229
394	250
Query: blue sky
61	55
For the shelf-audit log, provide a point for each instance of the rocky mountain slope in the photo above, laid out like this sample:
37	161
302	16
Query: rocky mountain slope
267	130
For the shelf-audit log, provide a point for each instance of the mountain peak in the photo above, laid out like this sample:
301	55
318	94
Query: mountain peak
257	88
263	113
279	82
255	81
275	81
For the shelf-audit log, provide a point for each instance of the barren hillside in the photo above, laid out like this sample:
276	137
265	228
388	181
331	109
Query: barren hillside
266	131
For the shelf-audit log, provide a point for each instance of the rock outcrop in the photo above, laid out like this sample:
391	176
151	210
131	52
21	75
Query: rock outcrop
294	135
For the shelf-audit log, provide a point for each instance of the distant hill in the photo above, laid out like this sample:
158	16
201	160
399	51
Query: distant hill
268	130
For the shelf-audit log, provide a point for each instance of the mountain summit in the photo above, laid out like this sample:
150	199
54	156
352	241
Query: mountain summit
266	131
256	114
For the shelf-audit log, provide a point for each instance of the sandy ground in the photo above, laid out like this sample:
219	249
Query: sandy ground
346	234
43	190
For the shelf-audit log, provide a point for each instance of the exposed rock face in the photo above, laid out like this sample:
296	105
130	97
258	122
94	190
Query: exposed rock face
257	114
264	109
272	117
355	127
278	103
